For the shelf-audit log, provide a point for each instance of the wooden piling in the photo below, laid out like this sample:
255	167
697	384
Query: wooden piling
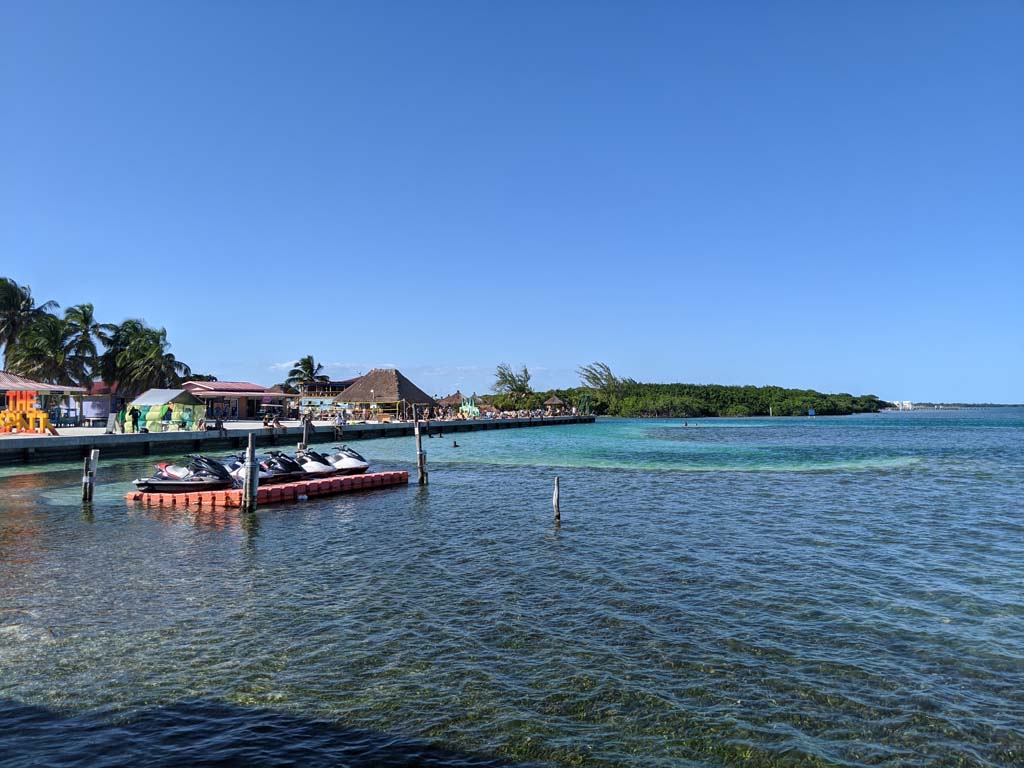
421	456
554	503
89	467
250	491
86	484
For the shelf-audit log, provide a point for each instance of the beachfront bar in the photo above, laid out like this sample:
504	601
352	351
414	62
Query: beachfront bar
383	395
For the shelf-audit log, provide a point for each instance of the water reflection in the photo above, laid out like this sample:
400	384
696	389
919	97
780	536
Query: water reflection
209	733
202	518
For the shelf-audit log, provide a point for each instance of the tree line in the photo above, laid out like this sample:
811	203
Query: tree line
74	348
613	396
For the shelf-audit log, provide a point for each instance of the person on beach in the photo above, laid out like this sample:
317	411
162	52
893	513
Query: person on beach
134	414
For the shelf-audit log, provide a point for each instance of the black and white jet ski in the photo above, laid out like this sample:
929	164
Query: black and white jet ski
282	467
315	464
348	462
270	472
200	474
309	464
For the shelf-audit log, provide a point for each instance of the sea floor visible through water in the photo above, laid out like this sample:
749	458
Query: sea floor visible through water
759	592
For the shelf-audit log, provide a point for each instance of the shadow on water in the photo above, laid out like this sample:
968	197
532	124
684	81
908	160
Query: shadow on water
206	733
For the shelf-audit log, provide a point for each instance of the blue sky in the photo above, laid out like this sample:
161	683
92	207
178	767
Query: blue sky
822	195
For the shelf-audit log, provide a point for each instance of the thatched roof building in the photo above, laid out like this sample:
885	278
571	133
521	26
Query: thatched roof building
554	401
453	401
384	386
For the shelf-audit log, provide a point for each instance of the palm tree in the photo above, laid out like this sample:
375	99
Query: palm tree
597	376
306	372
138	359
17	311
46	351
149	364
86	332
508	382
113	362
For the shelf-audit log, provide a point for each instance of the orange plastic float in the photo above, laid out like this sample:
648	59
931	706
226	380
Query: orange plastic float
270	494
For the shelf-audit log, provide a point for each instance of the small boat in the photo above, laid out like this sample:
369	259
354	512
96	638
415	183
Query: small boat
200	474
348	462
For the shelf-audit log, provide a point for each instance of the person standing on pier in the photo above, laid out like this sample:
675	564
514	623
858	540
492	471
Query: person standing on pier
134	414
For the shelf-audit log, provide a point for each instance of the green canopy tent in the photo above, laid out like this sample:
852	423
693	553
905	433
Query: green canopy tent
153	404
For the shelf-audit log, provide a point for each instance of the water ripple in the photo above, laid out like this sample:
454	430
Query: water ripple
847	593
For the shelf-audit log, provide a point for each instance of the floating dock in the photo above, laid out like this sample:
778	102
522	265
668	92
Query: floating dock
272	494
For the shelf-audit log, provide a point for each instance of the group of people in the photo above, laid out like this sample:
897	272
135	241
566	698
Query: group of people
273	422
489	412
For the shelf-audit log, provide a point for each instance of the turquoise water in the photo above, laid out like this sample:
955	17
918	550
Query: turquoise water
835	591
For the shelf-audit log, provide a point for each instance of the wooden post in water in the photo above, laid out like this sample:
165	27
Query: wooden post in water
421	456
554	503
89	466
306	421
252	477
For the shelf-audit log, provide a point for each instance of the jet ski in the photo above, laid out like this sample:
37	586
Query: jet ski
309	464
200	474
282	467
269	474
315	464
348	462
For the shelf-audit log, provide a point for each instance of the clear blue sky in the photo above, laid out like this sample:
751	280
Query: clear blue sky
807	194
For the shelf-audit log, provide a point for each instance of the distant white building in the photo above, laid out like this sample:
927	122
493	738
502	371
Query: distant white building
902	405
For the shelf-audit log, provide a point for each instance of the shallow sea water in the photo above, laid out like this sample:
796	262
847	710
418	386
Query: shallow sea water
830	591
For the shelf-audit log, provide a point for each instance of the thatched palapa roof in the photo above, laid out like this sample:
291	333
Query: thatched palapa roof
554	400
452	400
385	385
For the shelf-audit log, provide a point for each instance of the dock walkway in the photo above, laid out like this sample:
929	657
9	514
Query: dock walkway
38	449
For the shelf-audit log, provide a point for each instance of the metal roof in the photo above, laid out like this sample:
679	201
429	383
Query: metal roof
10	382
238	387
263	393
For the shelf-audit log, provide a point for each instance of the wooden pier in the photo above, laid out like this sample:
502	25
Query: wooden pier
272	494
37	449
